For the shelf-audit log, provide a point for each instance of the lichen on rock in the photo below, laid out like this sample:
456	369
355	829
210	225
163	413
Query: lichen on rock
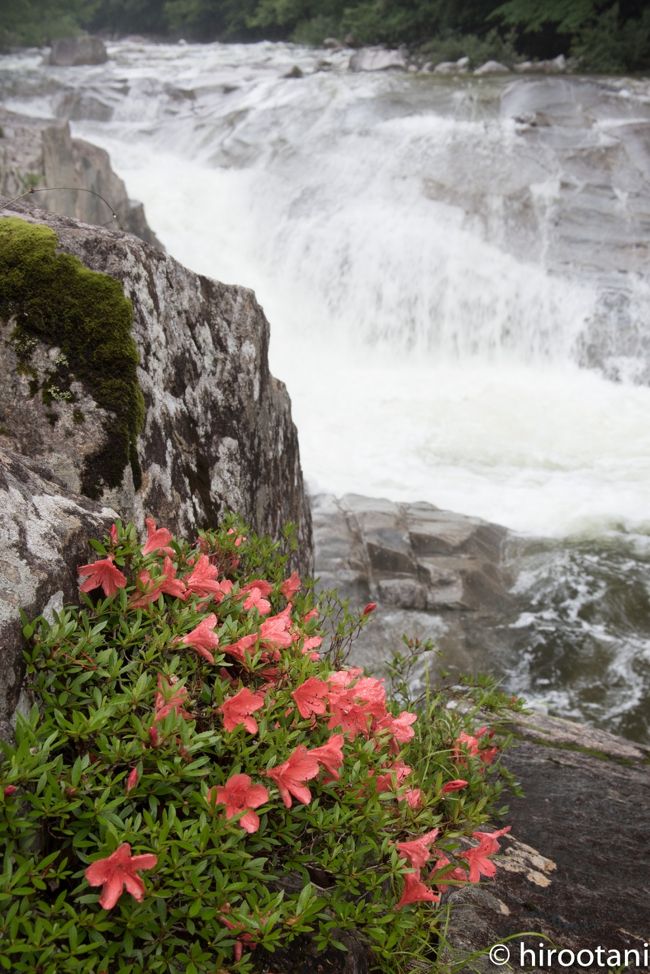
52	298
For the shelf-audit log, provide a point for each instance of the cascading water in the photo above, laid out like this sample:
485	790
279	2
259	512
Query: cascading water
454	273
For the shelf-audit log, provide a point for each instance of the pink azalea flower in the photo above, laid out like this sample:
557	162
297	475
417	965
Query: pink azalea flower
202	638
291	586
341	679
260	583
330	754
454	785
311	697
311	643
478	857
237	710
370	607
458	875
113	534
104	574
239	540
203	579
169	699
118	872
169	584
399	727
274	631
418	851
412	797
132	780
290	777
240	649
157	539
239	794
10	790
415	891
312	614
394	777
255	600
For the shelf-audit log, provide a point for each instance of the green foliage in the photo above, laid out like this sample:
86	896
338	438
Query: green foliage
127	744
53	298
36	22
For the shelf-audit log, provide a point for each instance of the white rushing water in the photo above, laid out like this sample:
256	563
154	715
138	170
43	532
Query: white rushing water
425	359
439	262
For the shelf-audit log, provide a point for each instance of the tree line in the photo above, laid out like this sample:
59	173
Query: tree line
603	36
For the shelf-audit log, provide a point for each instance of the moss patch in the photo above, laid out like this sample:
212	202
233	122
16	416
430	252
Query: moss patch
54	298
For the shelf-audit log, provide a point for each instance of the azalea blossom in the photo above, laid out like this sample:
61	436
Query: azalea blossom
478	857
202	638
274	631
102	574
290	777
113	534
10	790
169	699
370	607
415	891
418	851
399	727
118	872
240	649
237	710
157	539
412	797
239	794
330	754
290	586
458	875
311	697
203	580
454	785
132	780
393	777
255	600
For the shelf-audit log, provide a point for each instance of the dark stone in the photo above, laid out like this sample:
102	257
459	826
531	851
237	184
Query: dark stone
578	869
72	51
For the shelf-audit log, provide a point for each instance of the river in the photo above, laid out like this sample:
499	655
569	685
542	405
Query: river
456	275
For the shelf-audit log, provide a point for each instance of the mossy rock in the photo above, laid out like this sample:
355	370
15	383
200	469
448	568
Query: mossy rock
54	298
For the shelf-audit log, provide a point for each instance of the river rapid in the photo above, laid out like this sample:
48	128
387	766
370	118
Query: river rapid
456	276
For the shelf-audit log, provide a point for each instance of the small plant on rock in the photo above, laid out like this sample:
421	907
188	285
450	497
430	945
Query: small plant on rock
199	787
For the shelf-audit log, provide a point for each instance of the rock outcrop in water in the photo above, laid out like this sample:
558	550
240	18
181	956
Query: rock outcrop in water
67	176
433	573
73	51
216	432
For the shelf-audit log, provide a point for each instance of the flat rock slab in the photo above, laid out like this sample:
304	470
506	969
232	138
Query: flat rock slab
578	868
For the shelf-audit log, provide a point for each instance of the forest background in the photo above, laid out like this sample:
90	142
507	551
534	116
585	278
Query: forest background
600	36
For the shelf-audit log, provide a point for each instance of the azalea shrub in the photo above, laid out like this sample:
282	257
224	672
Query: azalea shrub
203	782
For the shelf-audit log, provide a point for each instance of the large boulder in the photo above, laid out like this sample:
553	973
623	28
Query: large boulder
39	156
72	51
378	59
576	868
209	429
44	532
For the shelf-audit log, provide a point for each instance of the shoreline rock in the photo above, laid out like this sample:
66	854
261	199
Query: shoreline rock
74	51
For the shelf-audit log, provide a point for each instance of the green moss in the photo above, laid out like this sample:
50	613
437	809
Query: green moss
52	297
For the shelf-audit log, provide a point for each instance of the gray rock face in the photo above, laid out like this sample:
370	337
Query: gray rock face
578	868
433	573
72	51
44	534
38	153
218	433
492	67
377	59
